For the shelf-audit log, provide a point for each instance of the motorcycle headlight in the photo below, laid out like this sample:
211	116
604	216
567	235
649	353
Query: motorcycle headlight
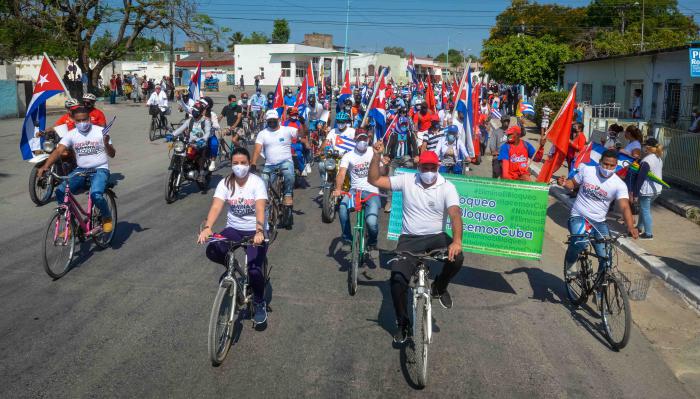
330	164
179	147
49	146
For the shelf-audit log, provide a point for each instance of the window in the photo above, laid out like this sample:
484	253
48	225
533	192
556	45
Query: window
356	72
301	69
262	73
608	94
673	101
286	69
586	93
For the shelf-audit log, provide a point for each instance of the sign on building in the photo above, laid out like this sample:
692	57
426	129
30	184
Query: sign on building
694	62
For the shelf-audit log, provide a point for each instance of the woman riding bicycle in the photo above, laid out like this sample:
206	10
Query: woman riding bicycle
451	151
246	197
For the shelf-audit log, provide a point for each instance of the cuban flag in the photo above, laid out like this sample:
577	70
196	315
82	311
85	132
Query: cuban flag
377	110
306	88
344	143
527	109
591	156
48	84
495	114
345	92
278	99
410	67
196	83
464	105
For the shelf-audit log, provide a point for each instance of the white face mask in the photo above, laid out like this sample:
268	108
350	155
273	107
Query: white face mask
428	177
240	171
361	146
605	172
342	126
83	127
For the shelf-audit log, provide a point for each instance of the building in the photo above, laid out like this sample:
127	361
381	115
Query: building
668	92
318	40
365	66
220	66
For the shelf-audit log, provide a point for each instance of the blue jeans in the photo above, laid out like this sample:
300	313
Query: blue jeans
578	244
371	217
299	158
287	168
98	183
644	224
455	169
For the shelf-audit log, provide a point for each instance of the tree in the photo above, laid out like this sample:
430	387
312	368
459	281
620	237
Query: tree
395	51
68	28
256	38
234	39
456	57
280	31
535	62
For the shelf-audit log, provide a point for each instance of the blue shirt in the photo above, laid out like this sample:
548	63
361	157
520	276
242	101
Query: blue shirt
290	100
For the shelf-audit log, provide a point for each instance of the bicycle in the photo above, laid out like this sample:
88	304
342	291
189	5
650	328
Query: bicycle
225	149
234	294
71	221
421	315
158	122
359	236
610	293
275	202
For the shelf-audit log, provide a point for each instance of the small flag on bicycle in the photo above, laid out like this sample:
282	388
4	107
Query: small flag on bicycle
344	143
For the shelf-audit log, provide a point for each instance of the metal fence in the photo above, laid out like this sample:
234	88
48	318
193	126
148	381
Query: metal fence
681	156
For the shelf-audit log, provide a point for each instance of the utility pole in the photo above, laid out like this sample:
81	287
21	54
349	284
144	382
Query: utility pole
172	38
641	45
347	24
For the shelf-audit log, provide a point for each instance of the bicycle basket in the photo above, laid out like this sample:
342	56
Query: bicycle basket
153	110
636	284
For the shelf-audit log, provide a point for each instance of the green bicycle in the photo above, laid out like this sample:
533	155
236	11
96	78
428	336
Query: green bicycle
359	236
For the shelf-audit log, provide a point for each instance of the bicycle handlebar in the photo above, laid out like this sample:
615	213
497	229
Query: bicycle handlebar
66	177
612	238
244	242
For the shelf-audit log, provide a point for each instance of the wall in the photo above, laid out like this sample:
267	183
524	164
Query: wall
318	40
8	90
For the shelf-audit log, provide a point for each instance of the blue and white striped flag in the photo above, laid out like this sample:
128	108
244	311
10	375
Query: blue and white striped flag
105	130
495	114
527	109
344	143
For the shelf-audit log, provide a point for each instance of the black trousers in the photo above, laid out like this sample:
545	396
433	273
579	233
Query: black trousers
495	168
403	269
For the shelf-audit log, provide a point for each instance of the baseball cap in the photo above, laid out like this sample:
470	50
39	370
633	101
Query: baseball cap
513	130
271	114
428	157
361	134
651	142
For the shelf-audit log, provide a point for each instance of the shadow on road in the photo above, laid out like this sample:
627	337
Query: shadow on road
340	254
123	231
546	287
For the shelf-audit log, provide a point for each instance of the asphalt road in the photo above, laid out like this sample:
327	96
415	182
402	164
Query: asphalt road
131	321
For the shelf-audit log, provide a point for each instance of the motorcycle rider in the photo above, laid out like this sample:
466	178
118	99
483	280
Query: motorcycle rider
342	120
92	149
200	129
97	117
451	151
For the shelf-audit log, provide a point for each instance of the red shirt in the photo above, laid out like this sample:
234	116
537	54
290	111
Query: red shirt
97	117
579	143
66	120
423	121
514	159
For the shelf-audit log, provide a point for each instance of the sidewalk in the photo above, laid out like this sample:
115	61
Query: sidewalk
673	254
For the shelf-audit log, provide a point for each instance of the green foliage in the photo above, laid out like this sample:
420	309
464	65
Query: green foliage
456	58
234	39
534	19
400	51
256	38
280	31
535	62
554	99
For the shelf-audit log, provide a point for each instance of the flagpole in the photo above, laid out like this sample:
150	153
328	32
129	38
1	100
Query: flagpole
347	24
371	101
461	85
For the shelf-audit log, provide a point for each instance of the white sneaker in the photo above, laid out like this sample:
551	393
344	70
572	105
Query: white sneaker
320	192
212	165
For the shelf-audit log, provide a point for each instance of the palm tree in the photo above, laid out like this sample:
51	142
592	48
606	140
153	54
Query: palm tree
236	38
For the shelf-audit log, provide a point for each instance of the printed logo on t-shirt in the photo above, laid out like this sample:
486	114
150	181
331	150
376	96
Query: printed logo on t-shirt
594	192
241	206
87	148
522	159
361	170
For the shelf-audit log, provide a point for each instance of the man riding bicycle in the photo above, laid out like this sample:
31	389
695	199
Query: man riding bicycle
427	198
356	163
257	106
92	149
159	99
233	113
598	187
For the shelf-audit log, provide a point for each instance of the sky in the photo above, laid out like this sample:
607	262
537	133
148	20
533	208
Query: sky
419	26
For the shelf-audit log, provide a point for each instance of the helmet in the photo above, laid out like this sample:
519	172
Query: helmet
71	102
271	114
452	129
342	116
204	103
293	111
403	120
89	97
270	95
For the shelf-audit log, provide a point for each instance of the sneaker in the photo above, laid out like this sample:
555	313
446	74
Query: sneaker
646	236
320	192
107	225
401	335
444	298
260	315
212	165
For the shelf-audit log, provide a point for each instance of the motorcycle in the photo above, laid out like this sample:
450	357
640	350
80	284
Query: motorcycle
183	166
330	162
41	188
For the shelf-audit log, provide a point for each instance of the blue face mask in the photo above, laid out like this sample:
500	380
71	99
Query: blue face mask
403	128
451	139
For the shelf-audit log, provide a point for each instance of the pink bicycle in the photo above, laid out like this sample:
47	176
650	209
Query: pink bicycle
71	221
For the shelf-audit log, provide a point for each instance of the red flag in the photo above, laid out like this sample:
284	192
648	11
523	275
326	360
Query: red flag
476	109
445	97
559	133
430	96
310	76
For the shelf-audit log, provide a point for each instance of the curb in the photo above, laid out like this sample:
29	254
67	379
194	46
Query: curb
689	212
655	265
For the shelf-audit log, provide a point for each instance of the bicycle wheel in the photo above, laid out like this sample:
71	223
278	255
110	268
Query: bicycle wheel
103	240
223	151
221	322
272	218
41	188
616	313
152	129
576	287
59	245
355	262
419	341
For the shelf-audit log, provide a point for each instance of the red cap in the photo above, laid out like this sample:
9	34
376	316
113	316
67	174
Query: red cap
428	157
515	129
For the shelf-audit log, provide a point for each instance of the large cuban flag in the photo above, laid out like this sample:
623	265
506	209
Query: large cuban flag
464	105
48	84
410	67
345	92
377	110
278	99
196	83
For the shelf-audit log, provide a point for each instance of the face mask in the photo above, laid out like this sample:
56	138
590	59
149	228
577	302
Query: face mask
234	103
273	124
342	126
83	127
361	146
196	113
245	100
511	139
403	128
451	139
240	171
605	172
428	177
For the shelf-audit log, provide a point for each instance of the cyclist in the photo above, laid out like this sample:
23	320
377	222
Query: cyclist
199	128
233	113
451	151
427	198
257	104
432	137
598	187
269	104
97	117
356	163
245	196
159	99
343	129
275	143
289	98
92	149
297	145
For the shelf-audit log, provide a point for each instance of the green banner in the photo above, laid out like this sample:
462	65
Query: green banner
500	217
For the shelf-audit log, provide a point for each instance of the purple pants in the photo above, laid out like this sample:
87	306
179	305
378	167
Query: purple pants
216	252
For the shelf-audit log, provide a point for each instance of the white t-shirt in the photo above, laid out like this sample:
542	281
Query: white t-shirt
424	209
277	144
241	202
655	166
358	166
596	193
89	148
631	146
159	99
348	132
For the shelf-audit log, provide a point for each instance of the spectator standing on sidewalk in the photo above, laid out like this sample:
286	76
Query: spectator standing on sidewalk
695	121
546	111
577	142
634	147
113	90
120	91
645	190
496	139
242	83
514	156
